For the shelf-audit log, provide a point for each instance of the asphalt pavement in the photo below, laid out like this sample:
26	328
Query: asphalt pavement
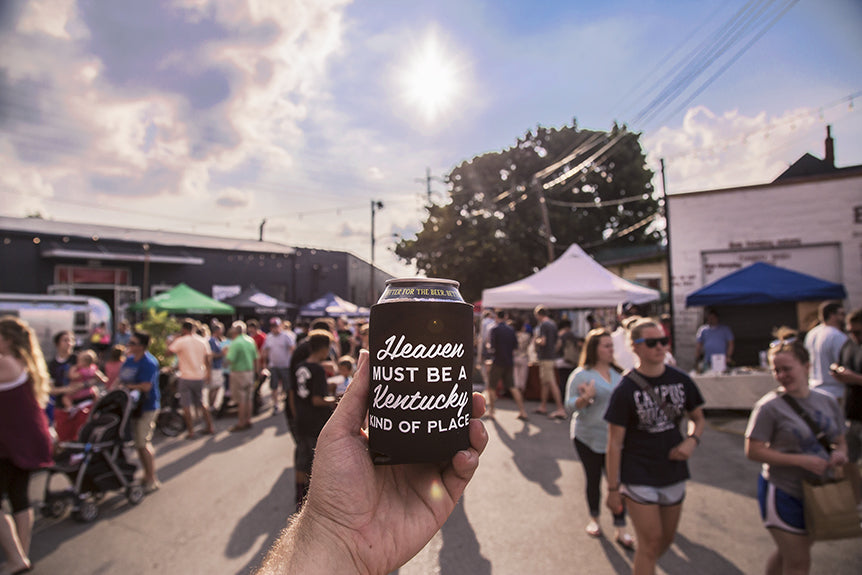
225	498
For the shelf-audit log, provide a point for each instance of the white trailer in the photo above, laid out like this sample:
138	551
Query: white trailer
50	314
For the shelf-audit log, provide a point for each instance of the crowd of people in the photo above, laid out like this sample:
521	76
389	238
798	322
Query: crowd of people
637	426
637	419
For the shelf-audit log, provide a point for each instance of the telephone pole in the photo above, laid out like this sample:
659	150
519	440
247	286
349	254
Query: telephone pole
669	262
546	220
375	206
427	181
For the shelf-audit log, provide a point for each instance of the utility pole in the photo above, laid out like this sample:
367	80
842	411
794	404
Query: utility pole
260	230
546	220
375	206
669	262
427	181
146	294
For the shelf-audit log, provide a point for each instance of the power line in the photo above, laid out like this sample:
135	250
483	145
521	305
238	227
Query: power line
732	60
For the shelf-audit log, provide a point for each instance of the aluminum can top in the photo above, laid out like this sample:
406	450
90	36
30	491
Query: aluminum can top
421	289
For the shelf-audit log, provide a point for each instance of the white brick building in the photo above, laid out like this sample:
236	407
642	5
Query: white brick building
808	220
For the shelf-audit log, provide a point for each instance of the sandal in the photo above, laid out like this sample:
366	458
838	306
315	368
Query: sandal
593	529
540	411
523	417
558	415
626	542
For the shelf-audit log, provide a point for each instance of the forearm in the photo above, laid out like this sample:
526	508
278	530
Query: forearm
696	423
306	547
613	455
848	377
762	453
841	446
581	402
143	387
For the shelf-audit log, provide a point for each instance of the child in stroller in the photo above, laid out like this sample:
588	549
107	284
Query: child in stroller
76	401
96	463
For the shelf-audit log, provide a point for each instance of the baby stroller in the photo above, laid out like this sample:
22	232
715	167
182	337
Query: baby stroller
96	463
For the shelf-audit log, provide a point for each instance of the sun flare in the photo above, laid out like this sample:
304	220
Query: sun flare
430	79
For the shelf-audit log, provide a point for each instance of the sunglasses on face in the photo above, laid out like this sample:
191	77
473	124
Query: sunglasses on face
652	341
781	342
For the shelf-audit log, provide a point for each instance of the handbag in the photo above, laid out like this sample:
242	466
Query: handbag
830	506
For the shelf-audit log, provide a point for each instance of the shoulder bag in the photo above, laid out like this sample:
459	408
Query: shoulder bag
830	506
670	411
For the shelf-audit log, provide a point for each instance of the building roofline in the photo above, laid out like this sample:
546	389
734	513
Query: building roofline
838	174
138	235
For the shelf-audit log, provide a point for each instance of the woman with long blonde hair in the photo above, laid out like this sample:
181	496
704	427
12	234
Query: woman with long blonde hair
25	442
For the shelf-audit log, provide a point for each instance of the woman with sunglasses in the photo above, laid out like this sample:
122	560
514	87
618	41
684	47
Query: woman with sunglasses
588	392
780	438
647	451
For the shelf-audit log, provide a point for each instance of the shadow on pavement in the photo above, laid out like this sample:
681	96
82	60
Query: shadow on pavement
616	557
535	455
721	463
696	558
461	552
261	520
214	444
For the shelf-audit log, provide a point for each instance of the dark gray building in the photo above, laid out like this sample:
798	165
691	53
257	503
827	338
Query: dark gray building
123	265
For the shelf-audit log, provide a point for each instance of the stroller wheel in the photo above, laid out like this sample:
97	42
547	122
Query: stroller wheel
170	423
87	511
55	506
135	493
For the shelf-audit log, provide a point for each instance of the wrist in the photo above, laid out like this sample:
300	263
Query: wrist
613	489
312	547
695	437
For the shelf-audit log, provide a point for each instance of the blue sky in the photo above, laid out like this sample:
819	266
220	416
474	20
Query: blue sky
210	116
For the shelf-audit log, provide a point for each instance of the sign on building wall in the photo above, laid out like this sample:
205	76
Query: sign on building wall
222	292
822	261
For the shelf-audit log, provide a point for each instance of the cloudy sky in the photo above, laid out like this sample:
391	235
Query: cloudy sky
210	116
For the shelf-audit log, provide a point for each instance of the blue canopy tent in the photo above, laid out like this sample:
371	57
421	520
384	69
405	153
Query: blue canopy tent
330	305
762	283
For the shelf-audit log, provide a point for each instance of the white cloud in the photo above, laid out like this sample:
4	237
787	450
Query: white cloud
233	198
55	18
712	151
140	131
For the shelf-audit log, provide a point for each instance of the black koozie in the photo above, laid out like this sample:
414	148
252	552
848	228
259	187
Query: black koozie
421	388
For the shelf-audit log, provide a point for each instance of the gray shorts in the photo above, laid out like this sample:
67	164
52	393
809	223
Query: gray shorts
190	392
666	495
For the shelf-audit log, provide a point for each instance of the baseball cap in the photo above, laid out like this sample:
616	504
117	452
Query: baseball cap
275	321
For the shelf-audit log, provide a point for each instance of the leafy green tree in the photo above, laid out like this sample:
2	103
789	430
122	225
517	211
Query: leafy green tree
159	325
493	230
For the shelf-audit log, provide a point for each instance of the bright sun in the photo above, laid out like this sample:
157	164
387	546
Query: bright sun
430	79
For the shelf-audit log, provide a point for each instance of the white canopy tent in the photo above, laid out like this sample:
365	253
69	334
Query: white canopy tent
574	280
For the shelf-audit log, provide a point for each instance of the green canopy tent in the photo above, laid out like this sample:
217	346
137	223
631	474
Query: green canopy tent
183	299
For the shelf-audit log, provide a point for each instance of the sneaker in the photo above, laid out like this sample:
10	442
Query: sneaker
151	487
